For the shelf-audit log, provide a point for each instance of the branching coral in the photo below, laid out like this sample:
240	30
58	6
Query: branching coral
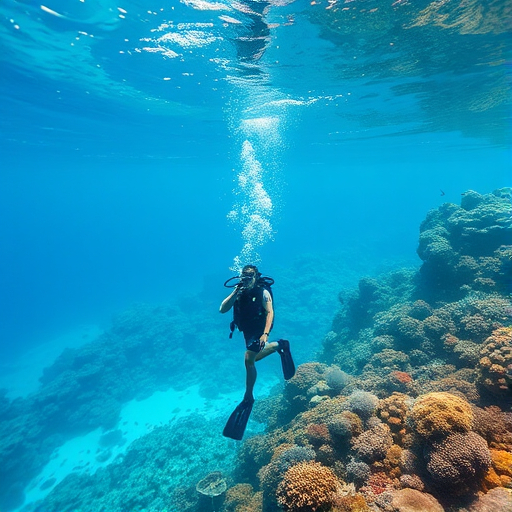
358	472
271	474
307	487
438	414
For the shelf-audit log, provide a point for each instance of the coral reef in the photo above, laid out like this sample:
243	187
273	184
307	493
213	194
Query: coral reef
454	240
459	461
307	487
409	500
374	443
438	414
153	473
495	365
408	404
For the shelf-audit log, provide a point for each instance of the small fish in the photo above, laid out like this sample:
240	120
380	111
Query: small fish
442	192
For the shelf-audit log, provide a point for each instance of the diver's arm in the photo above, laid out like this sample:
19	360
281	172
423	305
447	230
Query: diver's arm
269	308
228	302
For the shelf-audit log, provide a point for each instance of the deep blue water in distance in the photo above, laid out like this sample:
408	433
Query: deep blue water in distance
141	143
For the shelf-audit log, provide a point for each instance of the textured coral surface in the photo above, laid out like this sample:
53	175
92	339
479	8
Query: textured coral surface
307	486
439	414
495	365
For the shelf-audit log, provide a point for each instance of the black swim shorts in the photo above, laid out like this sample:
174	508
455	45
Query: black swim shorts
252	342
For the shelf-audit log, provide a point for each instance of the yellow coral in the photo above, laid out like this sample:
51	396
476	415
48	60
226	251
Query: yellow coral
238	497
307	487
441	413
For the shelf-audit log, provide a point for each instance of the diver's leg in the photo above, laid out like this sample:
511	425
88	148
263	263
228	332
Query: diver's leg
251	374
270	348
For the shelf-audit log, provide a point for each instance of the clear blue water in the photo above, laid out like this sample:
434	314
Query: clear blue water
122	136
148	149
123	126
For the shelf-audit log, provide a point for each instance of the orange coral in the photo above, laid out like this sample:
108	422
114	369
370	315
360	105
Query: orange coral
441	413
392	411
402	377
490	481
495	366
502	462
307	487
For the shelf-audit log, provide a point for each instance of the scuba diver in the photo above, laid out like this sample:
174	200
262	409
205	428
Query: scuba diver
253	314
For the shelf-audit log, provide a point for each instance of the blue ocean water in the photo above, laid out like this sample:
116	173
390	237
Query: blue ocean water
148	149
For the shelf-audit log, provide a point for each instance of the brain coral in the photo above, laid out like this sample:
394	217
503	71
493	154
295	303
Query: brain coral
460	460
495	365
438	414
307	487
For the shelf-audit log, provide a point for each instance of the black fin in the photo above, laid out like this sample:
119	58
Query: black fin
235	426
286	359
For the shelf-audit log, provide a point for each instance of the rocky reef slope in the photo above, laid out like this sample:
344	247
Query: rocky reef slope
409	406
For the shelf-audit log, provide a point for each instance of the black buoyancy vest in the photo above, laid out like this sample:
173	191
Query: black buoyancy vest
249	315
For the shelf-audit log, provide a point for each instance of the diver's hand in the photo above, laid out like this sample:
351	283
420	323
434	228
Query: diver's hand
263	341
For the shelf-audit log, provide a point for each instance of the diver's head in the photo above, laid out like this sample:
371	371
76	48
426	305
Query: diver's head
249	276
